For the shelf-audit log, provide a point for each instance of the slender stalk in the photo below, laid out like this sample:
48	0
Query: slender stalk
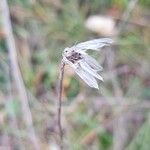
120	126
16	73
60	104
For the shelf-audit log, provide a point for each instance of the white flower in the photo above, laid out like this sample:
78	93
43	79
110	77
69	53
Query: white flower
84	65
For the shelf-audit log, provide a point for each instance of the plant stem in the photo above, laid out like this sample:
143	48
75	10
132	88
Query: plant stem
60	104
16	73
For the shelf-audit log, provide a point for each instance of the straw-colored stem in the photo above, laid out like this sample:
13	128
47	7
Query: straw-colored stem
16	73
60	104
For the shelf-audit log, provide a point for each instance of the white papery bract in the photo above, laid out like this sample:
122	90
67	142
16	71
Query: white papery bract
85	66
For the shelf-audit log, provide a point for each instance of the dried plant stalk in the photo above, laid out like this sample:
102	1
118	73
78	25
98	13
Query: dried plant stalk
60	104
17	74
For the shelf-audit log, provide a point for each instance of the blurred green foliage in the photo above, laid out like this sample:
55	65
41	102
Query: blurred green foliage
142	139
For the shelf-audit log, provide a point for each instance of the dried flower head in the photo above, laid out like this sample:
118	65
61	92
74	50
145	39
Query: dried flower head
84	65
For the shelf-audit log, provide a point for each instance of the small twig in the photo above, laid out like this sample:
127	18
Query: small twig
60	104
126	16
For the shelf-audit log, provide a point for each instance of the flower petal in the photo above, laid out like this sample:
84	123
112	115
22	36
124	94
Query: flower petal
93	44
87	78
92	62
87	68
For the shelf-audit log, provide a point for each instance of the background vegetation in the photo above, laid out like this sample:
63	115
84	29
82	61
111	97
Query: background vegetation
115	117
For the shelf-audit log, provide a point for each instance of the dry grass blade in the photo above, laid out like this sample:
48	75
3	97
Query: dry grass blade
17	74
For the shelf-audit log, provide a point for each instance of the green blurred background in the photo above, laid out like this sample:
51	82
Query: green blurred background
115	117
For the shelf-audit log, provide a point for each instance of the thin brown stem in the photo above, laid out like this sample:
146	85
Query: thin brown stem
60	104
